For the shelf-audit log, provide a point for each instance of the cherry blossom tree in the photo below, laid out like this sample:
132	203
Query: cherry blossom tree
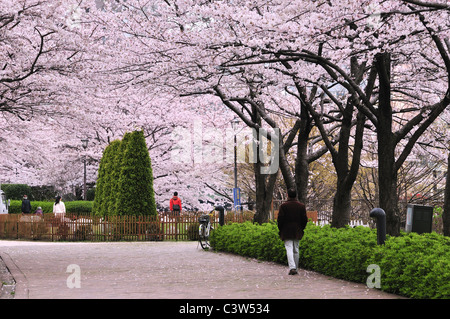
166	65
58	89
239	51
399	25
180	42
42	53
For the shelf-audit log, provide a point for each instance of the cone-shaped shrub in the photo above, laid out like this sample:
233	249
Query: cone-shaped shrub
103	188
125	179
135	195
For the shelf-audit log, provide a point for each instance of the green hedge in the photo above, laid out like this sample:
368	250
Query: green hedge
77	207
412	265
415	265
250	240
339	252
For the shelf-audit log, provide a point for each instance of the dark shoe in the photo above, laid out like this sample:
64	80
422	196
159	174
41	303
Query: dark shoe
293	272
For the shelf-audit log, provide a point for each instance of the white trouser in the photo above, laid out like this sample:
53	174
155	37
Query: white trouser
292	252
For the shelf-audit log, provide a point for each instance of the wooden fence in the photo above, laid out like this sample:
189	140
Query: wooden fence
76	227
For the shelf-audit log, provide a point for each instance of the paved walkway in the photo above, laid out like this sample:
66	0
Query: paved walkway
154	270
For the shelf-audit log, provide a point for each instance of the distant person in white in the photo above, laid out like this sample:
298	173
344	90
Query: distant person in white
59	209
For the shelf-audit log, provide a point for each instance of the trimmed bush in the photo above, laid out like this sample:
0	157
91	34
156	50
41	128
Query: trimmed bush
412	265
16	206
338	252
135	195
104	187
252	240
125	179
76	207
415	265
112	178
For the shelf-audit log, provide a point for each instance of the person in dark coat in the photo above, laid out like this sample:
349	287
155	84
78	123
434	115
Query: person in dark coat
292	221
26	205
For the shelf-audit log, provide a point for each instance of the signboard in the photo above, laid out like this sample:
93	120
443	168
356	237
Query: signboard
419	219
237	198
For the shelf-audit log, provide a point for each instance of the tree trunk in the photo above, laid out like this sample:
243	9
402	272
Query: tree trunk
346	173
264	183
301	162
264	193
387	174
446	213
342	207
284	166
341	201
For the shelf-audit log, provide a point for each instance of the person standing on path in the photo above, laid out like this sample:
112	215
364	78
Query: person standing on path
292	221
26	205
59	209
175	204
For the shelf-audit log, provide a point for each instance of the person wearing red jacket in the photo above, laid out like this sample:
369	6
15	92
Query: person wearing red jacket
175	204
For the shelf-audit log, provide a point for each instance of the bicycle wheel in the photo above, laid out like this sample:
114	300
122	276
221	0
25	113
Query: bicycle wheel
204	236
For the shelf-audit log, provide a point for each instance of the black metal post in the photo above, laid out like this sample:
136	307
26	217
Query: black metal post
221	210
85	145
380	215
235	161
84	181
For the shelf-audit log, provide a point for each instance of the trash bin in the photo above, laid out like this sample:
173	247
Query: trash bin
419	219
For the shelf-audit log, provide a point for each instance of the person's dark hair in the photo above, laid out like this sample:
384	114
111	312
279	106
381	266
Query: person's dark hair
292	193
175	194
58	198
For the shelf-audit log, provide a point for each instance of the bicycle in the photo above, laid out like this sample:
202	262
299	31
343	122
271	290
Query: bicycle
204	230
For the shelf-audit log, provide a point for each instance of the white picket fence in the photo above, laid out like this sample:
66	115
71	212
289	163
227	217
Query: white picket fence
353	223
